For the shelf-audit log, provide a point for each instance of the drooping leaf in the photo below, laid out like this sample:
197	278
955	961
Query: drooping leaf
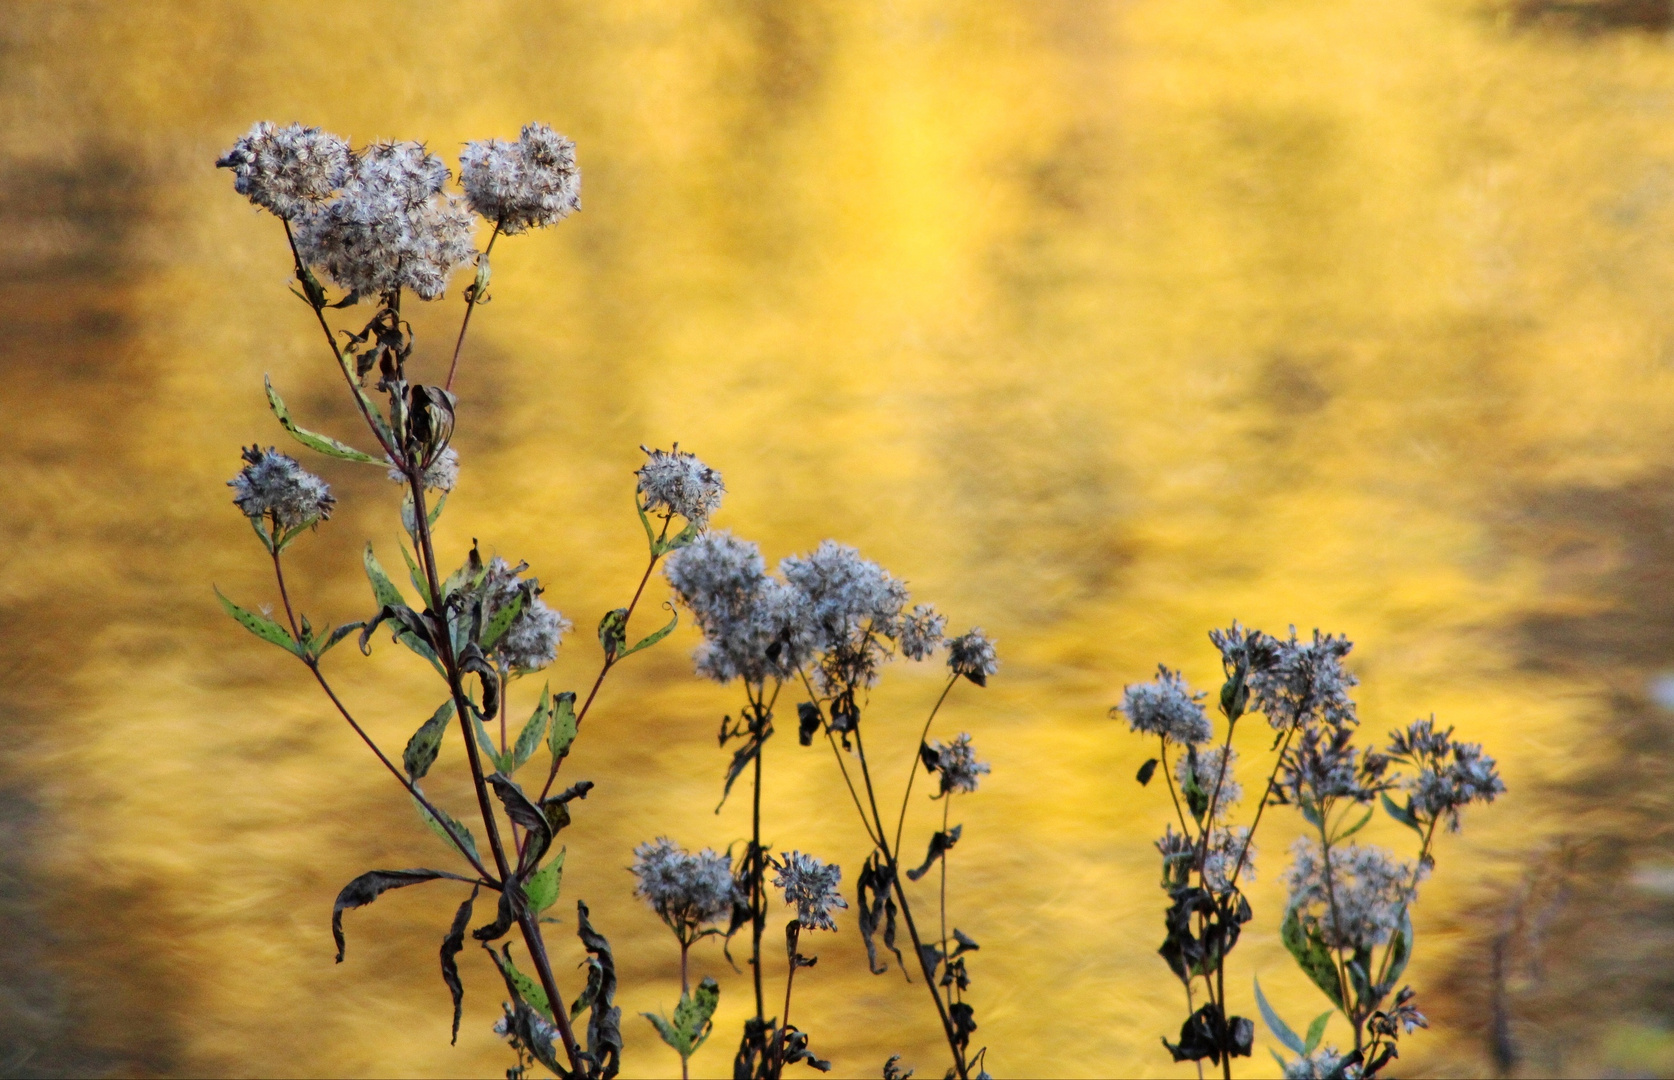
1281	1030
529	989
1316	1032
426	742
966	944
336	636
522	810
1146	771
1311	954
260	625
542	887
808	722
940	844
561	733
459	828
505	914
452	945
532	733
652	638
604	1022
373	884
740	758
313	440
1403	815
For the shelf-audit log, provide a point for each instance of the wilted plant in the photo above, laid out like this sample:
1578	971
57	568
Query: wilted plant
828	622
1348	919
380	224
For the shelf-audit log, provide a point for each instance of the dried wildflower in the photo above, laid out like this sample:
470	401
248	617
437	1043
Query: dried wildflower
441	475
1166	706
1324	765
1370	886
389	227
1202	769
972	655
523	185
531	641
1402	1018
274	484
754	627
1324	1063
852	607
811	886
676	482
921	632
955	763
1294	682
685	890
1227	845
287	170
1451	775
1178	852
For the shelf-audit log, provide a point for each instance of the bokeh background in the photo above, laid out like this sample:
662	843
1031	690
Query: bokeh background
1100	323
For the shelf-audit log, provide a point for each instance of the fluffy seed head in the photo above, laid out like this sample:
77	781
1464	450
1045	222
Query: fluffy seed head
390	227
972	655
811	886
677	482
287	170
1166	706
685	890
1322	1063
1451	776
754	626
528	184
955	763
1370	887
921	632
272	483
531	641
1297	682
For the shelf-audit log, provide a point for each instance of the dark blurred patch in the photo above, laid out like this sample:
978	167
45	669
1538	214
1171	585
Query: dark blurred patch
1594	16
1584	941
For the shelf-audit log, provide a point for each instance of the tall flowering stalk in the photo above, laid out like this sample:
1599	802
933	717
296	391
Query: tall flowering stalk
1347	922
380	223
826	623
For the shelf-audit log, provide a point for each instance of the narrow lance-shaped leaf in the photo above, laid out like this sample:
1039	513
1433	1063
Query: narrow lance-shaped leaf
500	623
324	444
562	731
543	886
373	884
652	638
1352	829
417	577
452	945
260	625
426	742
1281	1030
532	733
1404	816
486	744
1316	1032
1400	952
459	828
1311	954
337	636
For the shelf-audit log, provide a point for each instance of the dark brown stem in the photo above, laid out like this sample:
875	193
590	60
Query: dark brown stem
842	766
907	912
947	802
758	872
470	306
456	685
793	932
912	772
314	668
1261	807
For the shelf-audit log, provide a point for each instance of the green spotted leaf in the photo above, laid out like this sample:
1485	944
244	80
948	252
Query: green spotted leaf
532	733
260	625
543	886
426	742
313	440
562	732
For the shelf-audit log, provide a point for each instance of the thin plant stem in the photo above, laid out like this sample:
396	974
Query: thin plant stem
314	668
793	933
1168	774
1215	796
470	306
450	664
907	912
1406	901
609	662
1261	808
1343	985
758	871
842	766
953	987
912	772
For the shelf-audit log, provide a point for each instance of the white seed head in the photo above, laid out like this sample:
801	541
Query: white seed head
677	482
287	170
1167	706
528	184
956	764
685	890
273	483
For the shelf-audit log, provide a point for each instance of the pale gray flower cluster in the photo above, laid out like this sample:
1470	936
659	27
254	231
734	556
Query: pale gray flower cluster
287	170
528	184
754	626
956	764
1325	765
685	890
676	482
1369	885
1227	844
848	596
1208	770
531	642
1451	775
441	474
921	632
274	484
811	887
1166	706
972	655
1294	682
1324	1063
390	226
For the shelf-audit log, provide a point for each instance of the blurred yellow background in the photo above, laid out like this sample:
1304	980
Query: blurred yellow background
1100	323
